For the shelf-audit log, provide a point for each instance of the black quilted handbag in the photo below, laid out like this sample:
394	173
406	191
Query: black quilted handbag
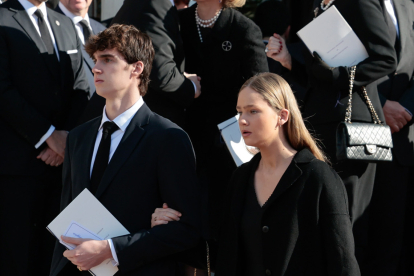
363	141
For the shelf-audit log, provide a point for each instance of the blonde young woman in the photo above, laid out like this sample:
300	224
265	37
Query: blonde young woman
286	211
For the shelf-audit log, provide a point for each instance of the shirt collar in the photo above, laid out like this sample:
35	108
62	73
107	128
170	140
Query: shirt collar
75	18
31	9
123	120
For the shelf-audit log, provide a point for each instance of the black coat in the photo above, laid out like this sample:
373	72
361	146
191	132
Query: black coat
48	94
367	20
308	226
399	84
233	53
154	163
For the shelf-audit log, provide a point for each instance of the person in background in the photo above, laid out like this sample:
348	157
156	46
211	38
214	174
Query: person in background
85	27
224	48
328	94
392	179
286	210
273	17
170	90
43	91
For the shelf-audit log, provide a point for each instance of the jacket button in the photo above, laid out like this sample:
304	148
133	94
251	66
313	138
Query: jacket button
265	229
268	272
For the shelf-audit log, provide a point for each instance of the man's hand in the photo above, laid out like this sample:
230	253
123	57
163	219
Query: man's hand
196	80
88	253
395	115
57	142
50	157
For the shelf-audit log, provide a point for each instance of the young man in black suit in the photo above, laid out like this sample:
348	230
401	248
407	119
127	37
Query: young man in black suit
393	179
85	27
43	89
170	90
151	161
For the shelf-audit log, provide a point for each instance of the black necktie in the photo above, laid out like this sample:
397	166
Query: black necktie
86	30
102	156
44	32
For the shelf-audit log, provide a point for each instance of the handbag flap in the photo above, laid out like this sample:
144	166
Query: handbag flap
368	134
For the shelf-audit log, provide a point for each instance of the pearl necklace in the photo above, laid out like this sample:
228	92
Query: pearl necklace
327	5
205	23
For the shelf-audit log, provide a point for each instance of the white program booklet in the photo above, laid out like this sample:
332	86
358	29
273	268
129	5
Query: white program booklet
333	39
86	217
231	134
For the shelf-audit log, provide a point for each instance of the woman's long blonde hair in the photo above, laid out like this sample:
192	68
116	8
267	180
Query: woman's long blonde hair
278	94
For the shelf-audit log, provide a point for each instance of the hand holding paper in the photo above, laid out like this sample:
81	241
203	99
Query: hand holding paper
87	253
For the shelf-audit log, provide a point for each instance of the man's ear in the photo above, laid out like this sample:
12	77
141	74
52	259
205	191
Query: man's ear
138	68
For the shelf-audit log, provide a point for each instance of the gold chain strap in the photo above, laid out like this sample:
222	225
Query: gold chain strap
208	262
348	112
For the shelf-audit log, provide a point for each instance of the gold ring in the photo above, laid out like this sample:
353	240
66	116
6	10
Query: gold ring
80	269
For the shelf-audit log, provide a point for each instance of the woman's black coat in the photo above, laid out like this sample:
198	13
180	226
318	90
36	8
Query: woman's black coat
367	19
308	225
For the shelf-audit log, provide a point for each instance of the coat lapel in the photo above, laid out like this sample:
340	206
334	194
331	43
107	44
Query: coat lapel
130	140
59	32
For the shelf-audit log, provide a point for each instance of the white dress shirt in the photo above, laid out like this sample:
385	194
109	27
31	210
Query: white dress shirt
122	121
31	9
390	9
76	19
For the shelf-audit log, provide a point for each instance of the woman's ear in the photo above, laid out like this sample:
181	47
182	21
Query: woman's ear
284	116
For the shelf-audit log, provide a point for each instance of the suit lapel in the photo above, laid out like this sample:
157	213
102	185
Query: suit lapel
25	22
402	24
58	33
130	140
86	147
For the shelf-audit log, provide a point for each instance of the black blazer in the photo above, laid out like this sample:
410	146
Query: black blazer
87	60
154	163
169	91
35	94
366	18
309	228
399	85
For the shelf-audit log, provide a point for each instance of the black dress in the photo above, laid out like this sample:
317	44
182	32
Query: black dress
232	52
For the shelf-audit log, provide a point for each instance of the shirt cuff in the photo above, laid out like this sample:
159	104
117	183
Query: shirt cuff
114	261
44	137
408	111
195	87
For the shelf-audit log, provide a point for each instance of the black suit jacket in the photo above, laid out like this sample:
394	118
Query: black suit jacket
399	85
33	93
154	163
169	91
327	102
87	60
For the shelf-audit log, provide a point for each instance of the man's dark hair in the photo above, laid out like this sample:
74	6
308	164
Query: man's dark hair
272	16
131	43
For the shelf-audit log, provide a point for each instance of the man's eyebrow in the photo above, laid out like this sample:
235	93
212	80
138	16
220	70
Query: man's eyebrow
106	56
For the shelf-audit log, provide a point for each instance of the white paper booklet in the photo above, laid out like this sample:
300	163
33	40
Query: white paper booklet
333	39
86	217
231	134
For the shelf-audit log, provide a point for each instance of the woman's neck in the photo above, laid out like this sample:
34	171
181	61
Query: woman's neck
276	154
207	10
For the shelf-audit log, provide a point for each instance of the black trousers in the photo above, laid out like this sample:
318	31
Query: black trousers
358	178
386	220
27	205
